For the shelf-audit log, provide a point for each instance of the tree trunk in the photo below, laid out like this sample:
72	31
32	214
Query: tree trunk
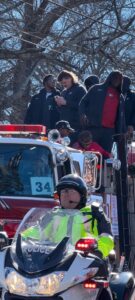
24	69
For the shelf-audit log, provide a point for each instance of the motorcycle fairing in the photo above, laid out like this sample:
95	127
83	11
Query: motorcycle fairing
63	265
37	262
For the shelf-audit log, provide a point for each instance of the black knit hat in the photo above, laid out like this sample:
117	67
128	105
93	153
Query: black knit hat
91	80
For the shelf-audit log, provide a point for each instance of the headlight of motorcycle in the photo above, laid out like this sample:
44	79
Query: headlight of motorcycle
45	285
15	283
49	285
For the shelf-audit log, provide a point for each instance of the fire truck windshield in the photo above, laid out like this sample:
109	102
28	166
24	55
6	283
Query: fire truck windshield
26	170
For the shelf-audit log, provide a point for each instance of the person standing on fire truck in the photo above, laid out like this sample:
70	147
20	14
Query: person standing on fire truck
102	110
43	109
70	98
85	143
91	81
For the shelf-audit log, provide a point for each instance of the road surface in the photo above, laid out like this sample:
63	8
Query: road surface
133	297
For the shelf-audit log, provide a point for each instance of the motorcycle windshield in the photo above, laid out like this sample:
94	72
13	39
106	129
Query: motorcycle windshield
45	236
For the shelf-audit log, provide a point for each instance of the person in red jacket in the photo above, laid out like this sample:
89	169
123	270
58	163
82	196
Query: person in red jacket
102	110
85	143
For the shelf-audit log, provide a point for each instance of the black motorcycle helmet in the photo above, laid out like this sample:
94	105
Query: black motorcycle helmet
76	182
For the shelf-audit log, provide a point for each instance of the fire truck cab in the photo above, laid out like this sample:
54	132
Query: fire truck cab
30	167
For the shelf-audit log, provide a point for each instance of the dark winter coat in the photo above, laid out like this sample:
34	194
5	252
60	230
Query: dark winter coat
129	102
92	105
70	112
43	111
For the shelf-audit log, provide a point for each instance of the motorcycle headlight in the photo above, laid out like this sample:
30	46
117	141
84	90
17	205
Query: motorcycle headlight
15	283
49	285
45	285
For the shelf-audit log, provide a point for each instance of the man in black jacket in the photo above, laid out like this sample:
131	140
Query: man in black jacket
43	109
102	110
70	98
90	81
129	104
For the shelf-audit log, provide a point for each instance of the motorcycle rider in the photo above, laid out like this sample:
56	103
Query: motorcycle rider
72	191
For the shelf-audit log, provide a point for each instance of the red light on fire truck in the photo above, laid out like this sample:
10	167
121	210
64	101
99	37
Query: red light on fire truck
22	129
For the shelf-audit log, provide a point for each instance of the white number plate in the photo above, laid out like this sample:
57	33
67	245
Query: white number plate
41	185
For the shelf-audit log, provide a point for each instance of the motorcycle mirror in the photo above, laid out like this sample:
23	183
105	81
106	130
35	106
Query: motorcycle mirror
4	242
86	245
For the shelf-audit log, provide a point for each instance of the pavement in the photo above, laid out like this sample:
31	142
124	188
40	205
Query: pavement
133	297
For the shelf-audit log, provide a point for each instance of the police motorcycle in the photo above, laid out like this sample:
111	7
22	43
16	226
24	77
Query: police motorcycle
46	262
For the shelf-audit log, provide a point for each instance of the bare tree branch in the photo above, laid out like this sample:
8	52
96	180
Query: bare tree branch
23	54
14	6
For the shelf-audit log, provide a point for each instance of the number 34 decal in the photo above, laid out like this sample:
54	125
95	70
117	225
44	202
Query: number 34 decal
42	185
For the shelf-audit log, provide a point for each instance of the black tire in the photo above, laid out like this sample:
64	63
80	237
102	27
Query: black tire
105	295
127	295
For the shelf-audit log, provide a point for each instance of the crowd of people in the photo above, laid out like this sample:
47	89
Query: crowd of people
90	113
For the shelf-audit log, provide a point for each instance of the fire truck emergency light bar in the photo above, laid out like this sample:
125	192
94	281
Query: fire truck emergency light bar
22	129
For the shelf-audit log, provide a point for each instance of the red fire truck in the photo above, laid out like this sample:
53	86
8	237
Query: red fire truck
30	167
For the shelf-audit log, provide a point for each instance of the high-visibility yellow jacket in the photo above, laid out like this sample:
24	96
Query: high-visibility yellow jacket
93	224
